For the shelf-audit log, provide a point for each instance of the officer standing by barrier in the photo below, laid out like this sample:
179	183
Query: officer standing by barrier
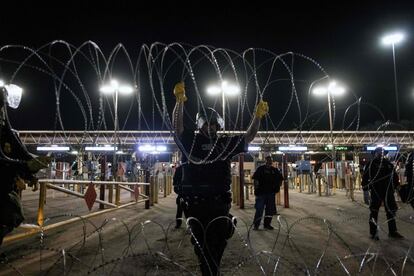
267	181
206	181
380	179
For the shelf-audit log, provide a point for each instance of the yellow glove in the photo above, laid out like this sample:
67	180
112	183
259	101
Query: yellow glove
262	109
38	163
179	92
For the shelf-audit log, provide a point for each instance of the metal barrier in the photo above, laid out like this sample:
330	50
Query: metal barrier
52	184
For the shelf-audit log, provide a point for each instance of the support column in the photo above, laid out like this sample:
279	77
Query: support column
285	181
102	186
147	189
241	173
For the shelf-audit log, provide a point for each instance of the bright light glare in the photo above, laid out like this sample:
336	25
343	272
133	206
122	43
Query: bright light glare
114	83
106	89
106	148
126	89
388	148
152	148
320	91
293	148
213	90
393	38
114	86
228	89
1	83
53	148
332	88
335	90
253	148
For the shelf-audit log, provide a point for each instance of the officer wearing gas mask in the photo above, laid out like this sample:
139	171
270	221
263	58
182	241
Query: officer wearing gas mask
205	188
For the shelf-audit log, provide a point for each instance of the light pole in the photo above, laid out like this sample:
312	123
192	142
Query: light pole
331	90
393	39
115	88
224	89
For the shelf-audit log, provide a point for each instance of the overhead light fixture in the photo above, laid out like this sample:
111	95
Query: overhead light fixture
53	148
293	148
253	148
152	148
100	148
388	148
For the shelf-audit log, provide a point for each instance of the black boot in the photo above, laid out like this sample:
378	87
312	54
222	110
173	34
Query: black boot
178	223
267	223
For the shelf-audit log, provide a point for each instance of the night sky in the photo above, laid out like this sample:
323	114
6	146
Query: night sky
343	37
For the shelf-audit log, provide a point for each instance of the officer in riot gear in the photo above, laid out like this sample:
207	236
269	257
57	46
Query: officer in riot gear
17	166
206	179
380	179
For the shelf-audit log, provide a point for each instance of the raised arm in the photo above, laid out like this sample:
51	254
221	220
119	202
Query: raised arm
178	112
261	110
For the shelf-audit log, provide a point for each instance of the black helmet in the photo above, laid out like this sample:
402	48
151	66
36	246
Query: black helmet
210	117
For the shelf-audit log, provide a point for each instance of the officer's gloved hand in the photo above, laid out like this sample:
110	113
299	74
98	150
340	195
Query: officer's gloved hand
34	184
38	163
179	92
20	183
262	109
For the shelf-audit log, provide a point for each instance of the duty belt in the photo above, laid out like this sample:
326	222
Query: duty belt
197	199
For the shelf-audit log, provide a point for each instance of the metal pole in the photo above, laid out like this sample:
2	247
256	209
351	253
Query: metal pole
395	84
102	186
285	181
224	108
330	118
241	173
331	136
114	169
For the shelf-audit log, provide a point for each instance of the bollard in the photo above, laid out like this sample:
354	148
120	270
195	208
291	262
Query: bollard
42	199
147	189
285	181
233	188
102	187
117	195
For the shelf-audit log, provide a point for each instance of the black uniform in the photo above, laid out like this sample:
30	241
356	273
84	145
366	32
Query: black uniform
12	165
267	184
381	179
206	192
176	183
407	191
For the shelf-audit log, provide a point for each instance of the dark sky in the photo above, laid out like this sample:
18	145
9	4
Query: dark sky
343	36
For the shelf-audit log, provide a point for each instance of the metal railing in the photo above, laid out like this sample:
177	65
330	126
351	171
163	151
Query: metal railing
58	184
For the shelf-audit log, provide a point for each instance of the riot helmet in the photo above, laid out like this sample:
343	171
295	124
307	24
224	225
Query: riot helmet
10	94
210	116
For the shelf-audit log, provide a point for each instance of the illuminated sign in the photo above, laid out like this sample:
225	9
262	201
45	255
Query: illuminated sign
338	148
293	148
388	148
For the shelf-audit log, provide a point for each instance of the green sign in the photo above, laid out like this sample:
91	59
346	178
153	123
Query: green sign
338	148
